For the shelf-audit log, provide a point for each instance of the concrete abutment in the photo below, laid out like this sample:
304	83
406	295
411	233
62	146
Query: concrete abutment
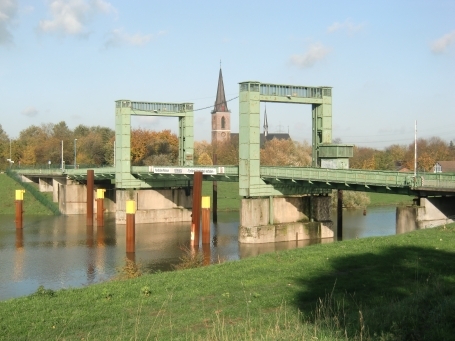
425	213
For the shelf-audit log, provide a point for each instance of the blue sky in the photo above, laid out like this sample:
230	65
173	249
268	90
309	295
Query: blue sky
389	62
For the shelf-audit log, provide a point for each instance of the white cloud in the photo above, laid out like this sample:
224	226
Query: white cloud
104	6
315	53
347	25
30	112
8	9
440	45
70	17
118	37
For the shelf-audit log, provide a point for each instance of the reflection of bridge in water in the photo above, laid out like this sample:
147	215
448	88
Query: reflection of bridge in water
279	203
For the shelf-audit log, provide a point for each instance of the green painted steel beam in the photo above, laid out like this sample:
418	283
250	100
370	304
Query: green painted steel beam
124	109
251	93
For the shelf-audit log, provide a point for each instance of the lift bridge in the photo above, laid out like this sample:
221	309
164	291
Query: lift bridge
330	162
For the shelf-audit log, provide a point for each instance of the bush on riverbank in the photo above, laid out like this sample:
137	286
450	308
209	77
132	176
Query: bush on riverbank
381	288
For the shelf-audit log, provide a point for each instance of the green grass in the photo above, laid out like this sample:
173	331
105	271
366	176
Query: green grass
383	288
31	205
380	199
228	195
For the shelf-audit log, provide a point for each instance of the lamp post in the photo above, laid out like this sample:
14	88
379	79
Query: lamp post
10	159
75	153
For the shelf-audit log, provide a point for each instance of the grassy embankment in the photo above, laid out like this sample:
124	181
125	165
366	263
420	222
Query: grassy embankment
229	199
383	288
32	206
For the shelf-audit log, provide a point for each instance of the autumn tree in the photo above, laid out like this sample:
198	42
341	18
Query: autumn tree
202	147
4	148
429	151
204	159
154	148
228	151
285	153
364	158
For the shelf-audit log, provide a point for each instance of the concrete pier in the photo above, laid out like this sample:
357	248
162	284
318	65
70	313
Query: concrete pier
155	206
72	198
287	218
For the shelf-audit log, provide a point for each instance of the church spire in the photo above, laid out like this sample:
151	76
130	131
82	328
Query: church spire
220	101
266	125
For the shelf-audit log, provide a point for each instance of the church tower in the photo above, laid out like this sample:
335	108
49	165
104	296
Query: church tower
221	116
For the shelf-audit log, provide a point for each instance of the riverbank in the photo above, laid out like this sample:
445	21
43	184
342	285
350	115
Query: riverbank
31	205
379	288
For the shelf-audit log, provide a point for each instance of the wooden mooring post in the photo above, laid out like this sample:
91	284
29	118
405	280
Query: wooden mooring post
196	212
205	204
130	226
100	207
19	207
90	185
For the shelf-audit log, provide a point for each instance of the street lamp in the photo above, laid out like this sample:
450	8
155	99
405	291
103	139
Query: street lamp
10	160
75	153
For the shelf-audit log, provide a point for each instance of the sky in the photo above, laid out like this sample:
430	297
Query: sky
390	63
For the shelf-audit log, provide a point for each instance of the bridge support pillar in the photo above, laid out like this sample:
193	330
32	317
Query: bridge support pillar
340	214
426	213
286	218
72	198
155	206
45	184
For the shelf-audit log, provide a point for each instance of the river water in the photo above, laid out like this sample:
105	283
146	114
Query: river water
62	252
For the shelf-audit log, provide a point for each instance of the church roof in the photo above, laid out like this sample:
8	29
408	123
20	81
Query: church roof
220	101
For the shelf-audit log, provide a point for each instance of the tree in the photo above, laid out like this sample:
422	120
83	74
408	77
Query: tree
201	147
364	158
228	152
285	153
4	148
204	159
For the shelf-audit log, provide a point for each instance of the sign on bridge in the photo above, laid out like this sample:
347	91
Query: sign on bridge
186	170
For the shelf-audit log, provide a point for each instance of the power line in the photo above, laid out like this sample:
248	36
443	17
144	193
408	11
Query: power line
215	104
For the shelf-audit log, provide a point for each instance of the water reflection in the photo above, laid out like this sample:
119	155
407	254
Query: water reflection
62	252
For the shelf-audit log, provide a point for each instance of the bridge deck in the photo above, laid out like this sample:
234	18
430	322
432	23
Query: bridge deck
299	178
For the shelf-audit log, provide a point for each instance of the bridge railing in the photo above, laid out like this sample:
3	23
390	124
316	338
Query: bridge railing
437	180
43	171
348	176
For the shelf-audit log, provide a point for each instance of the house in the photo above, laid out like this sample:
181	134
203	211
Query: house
444	167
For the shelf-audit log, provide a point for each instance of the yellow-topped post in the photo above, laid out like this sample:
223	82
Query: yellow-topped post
205	205
130	226
100	206
19	207
20	194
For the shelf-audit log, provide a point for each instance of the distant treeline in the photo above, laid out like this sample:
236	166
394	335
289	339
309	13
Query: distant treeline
94	146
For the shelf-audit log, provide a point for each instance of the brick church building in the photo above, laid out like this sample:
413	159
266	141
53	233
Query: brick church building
221	120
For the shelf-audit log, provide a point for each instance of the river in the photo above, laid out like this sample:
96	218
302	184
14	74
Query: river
62	252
